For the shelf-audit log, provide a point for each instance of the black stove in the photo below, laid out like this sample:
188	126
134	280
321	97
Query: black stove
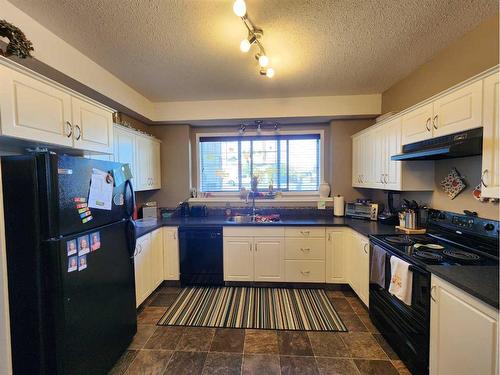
452	240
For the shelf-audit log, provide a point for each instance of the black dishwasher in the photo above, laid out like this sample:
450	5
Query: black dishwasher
201	255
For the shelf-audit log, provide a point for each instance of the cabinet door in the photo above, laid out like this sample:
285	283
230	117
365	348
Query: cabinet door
124	149
416	125
356	149
155	165
142	267
463	333
143	157
157	257
170	254
459	110
34	110
491	139
336	257
392	146
364	270
92	126
238	259
269	259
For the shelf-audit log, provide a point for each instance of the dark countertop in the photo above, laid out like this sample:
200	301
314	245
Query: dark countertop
479	281
364	227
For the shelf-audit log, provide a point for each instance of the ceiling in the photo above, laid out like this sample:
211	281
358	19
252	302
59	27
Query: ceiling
187	50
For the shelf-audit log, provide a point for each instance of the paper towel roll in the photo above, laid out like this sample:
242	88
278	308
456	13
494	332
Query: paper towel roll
338	205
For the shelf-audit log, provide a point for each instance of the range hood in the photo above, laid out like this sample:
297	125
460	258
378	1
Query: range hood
458	145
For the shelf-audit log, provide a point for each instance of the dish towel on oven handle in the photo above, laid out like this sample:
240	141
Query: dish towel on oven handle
377	266
401	280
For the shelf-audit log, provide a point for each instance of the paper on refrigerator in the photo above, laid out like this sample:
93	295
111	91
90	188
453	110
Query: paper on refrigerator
101	190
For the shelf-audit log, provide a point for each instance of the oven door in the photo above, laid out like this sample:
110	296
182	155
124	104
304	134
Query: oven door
405	327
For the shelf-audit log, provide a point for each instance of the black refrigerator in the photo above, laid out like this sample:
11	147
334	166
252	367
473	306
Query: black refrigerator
70	267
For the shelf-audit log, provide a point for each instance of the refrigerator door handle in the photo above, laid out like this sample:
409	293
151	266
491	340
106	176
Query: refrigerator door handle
130	204
131	238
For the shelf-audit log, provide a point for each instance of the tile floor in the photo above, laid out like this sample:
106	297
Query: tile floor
186	350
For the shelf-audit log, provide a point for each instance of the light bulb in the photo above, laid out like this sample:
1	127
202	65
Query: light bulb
245	46
263	60
240	8
270	72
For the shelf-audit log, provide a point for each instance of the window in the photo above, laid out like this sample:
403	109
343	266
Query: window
288	162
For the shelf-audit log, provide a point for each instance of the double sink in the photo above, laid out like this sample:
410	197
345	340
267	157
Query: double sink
275	218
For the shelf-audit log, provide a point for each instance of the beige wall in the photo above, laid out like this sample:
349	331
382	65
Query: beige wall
179	159
471	54
175	166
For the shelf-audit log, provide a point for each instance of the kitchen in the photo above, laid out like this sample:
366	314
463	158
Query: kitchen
212	212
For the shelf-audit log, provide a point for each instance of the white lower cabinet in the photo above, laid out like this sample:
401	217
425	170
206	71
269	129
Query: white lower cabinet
463	333
148	264
336	255
170	253
238	259
268	256
358	268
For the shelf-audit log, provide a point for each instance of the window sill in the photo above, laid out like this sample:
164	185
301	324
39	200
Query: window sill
285	199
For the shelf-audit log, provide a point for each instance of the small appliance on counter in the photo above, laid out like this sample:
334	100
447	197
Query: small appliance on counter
199	211
362	209
183	209
149	210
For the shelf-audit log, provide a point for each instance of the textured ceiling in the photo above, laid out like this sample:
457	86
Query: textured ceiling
173	50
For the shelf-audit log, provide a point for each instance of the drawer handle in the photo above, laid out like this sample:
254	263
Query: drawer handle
305	232
305	272
306	249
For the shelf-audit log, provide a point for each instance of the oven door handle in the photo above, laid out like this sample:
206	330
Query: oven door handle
417	270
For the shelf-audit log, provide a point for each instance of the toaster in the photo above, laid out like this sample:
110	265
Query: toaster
362	210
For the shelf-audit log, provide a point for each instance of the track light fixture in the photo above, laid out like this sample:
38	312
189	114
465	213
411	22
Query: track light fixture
259	126
254	35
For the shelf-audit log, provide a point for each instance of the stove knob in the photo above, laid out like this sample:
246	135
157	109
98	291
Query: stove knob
489	227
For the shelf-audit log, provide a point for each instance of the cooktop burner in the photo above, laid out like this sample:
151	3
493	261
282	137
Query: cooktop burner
428	256
399	240
460	255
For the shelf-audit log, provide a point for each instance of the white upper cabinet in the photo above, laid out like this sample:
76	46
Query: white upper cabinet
38	110
491	139
33	110
417	124
124	149
460	110
148	165
450	113
92	127
374	168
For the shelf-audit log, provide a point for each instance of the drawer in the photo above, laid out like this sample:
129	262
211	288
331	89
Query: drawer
253	231
305	271
305	248
305	232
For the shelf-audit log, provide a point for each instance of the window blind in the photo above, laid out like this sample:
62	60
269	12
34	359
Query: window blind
288	162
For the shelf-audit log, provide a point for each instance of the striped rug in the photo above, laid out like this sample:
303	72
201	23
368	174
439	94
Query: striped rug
258	308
